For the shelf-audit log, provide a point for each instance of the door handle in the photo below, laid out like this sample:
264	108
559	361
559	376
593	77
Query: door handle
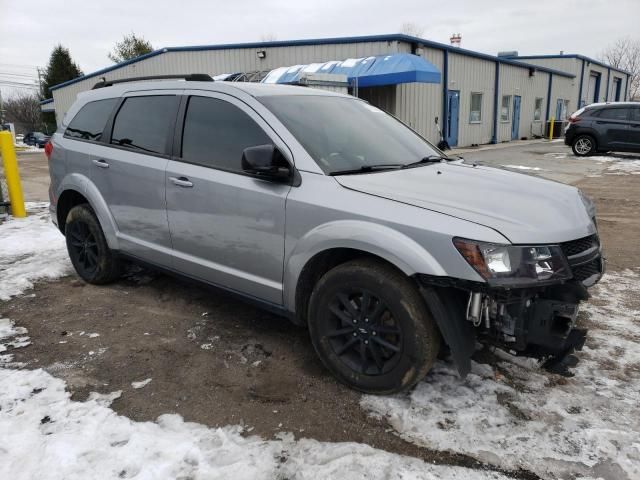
181	182
101	163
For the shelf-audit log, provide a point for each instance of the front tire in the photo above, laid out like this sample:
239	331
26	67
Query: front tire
371	327
90	255
583	146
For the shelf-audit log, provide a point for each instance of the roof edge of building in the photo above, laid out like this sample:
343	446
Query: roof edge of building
570	55
318	41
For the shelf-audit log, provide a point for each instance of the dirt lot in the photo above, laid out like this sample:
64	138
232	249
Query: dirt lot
218	361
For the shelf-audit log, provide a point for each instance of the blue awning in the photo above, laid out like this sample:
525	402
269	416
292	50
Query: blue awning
367	72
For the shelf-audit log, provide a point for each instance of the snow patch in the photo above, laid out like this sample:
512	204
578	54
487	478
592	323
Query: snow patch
32	249
522	167
520	416
141	384
47	435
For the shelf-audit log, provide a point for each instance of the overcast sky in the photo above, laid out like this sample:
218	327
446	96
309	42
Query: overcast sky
29	30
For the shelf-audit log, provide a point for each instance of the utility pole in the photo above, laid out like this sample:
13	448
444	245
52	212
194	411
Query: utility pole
40	92
1	110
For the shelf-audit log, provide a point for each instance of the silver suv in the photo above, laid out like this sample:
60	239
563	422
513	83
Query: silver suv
329	211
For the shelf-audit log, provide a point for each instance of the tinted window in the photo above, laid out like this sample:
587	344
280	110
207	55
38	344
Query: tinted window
216	132
343	133
614	113
91	120
635	114
142	123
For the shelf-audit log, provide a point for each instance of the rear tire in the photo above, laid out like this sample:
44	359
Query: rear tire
583	145
90	255
371	327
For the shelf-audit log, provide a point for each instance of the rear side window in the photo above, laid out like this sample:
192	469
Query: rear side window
635	114
216	132
90	121
614	113
143	123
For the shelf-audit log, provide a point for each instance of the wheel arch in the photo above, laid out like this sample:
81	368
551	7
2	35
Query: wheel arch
78	189
327	246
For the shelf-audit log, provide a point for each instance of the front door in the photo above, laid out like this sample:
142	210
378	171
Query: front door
453	114
515	121
129	173
227	228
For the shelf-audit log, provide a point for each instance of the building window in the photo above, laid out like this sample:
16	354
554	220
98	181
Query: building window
537	111
475	116
565	110
505	111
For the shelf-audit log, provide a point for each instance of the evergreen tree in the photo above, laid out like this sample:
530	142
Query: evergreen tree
130	47
60	69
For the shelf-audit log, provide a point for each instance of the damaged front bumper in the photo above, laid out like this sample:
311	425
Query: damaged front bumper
537	322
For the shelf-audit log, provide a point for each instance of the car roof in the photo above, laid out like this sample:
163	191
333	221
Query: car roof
250	88
612	104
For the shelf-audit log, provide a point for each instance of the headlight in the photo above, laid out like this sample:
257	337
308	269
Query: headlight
510	265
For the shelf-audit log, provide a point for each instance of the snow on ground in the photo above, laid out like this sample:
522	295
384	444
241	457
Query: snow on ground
618	165
522	167
32	248
521	416
46	435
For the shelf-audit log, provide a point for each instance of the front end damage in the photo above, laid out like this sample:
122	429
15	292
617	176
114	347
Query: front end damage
535	320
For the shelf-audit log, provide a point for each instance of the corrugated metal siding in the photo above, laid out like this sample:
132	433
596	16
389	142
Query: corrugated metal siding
382	97
568	65
472	75
517	81
226	61
587	95
565	89
418	104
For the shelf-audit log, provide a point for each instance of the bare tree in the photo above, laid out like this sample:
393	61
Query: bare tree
624	54
268	37
412	29
23	110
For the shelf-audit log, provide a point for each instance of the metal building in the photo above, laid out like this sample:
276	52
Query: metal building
597	82
477	98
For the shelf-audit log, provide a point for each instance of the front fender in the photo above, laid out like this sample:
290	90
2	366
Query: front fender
84	186
380	240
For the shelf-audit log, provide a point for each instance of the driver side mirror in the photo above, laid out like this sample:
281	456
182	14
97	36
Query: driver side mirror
266	161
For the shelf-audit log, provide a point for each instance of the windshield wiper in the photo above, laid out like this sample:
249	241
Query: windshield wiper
369	168
425	160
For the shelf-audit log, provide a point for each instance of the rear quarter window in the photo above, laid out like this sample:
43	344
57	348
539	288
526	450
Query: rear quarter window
90	121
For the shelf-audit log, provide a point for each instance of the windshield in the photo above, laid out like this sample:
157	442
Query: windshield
346	134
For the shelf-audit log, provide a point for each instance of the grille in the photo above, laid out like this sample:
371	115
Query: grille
574	247
582	272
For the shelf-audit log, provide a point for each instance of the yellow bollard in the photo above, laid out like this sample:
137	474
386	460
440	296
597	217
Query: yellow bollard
12	175
553	120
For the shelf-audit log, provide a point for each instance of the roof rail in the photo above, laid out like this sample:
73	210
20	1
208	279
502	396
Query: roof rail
193	77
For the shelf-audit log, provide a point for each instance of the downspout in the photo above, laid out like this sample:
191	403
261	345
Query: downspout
606	97
496	87
445	94
549	96
580	90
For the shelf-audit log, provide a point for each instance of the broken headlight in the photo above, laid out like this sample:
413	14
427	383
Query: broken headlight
511	265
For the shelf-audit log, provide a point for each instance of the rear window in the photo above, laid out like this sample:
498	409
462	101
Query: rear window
90	121
143	123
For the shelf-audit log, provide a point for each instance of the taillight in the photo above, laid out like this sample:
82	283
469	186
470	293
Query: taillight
48	149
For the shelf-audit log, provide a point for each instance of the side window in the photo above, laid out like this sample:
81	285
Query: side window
142	123
475	115
635	114
505	110
90	121
619	114
216	132
537	111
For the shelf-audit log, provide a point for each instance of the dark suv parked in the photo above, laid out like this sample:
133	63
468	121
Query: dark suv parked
603	127
37	139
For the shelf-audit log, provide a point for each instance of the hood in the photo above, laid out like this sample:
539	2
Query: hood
524	209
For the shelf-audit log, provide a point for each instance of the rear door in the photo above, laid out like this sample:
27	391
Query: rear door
634	128
227	228
129	172
612	124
